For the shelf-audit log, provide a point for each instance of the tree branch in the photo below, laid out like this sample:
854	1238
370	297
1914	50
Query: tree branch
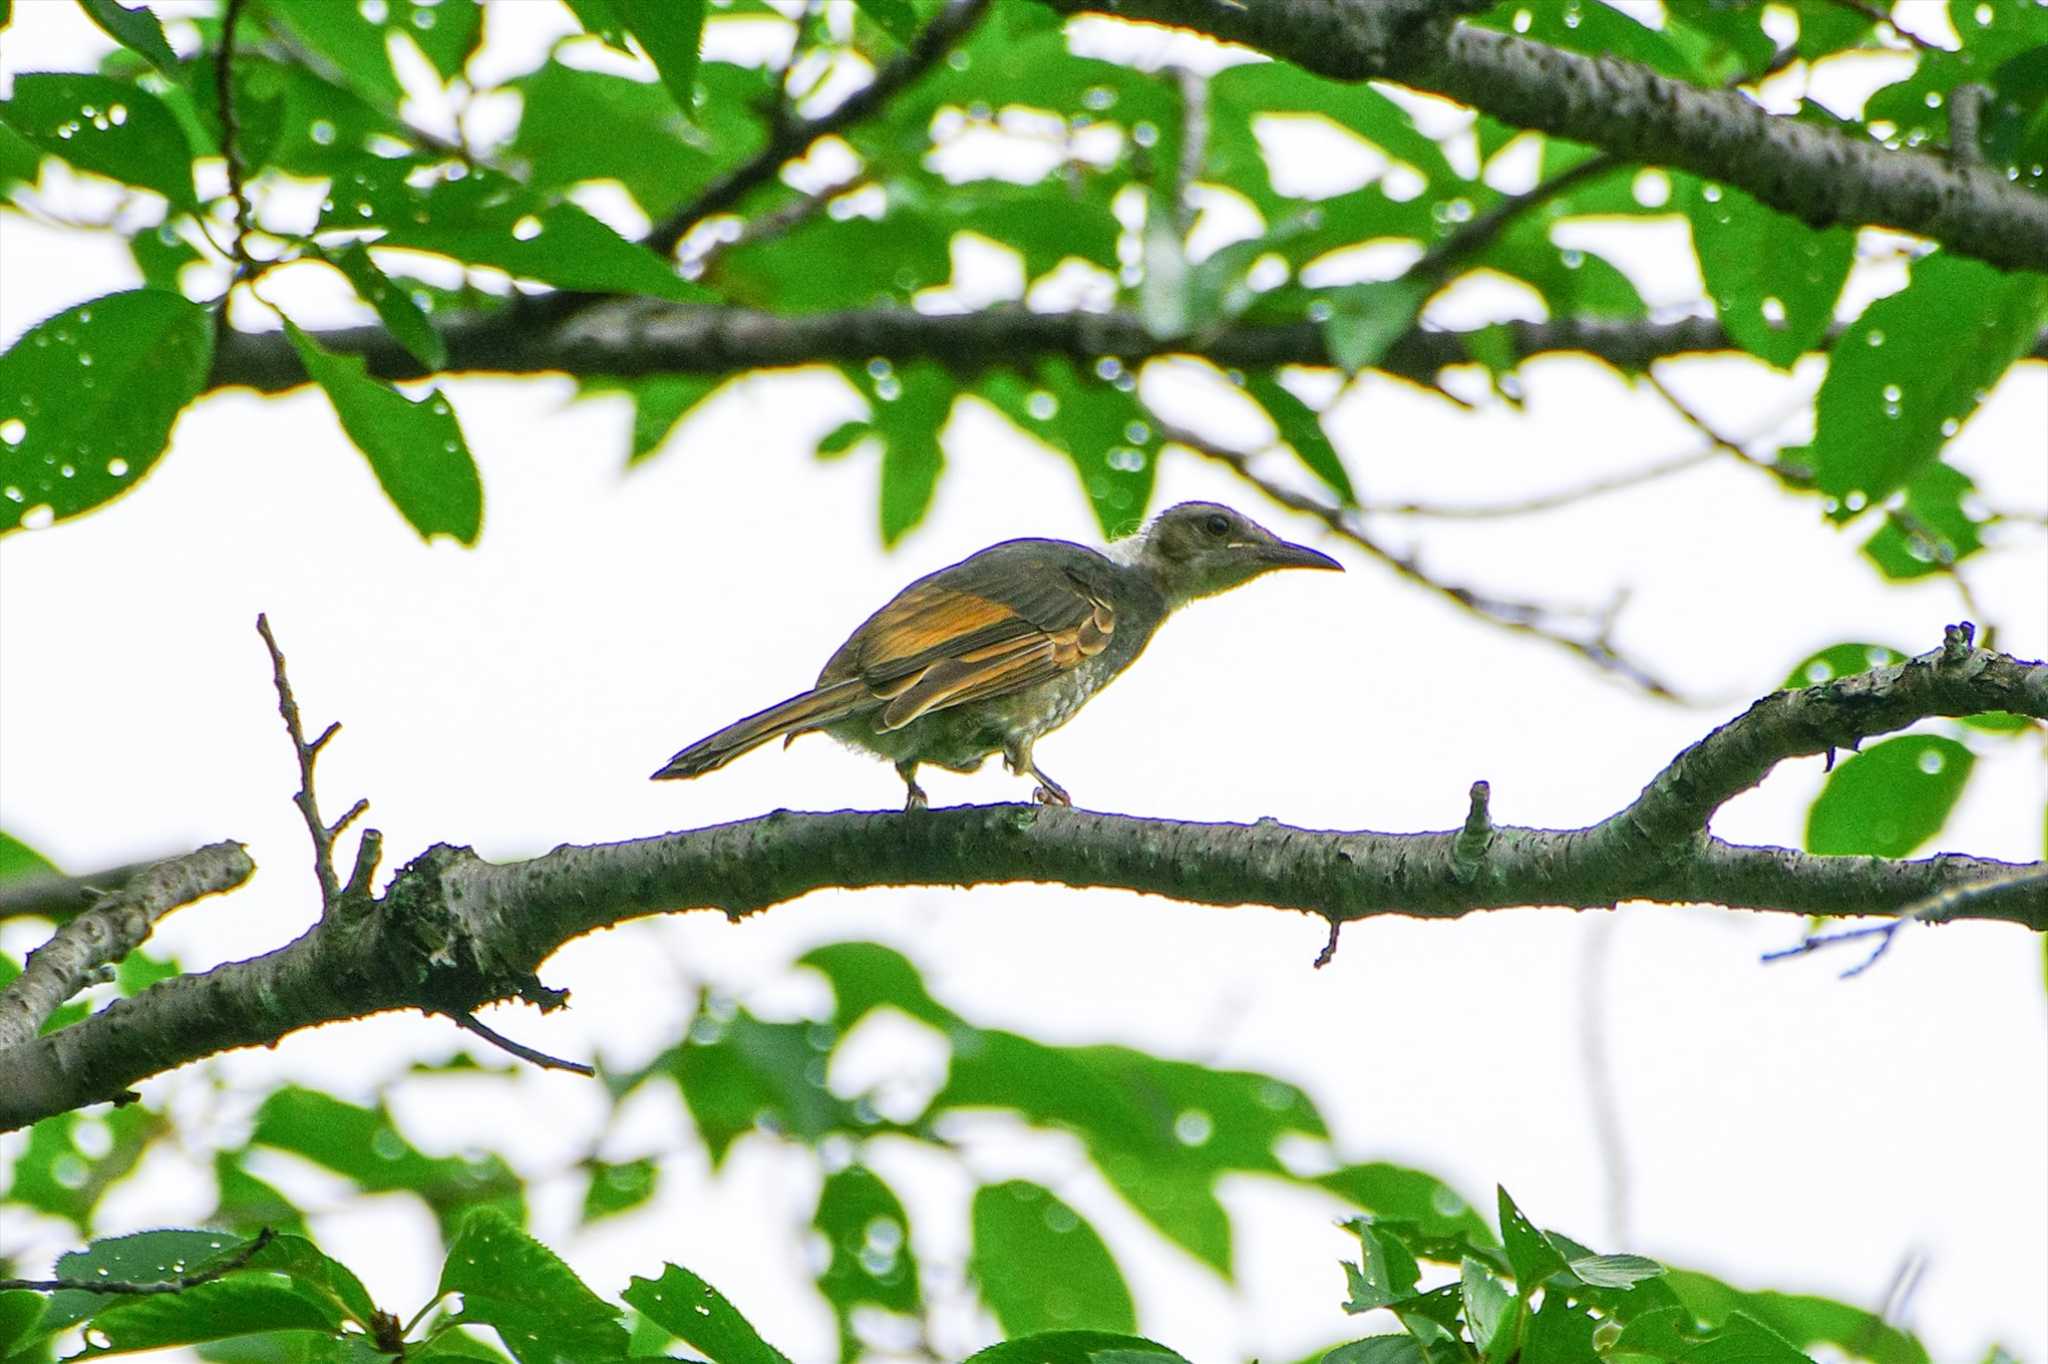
109	931
308	752
1820	175
51	896
634	342
453	932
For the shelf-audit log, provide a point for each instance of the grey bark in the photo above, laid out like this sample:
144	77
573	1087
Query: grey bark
453	932
1818	174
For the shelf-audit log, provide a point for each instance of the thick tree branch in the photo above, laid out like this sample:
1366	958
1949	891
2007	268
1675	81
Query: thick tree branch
631	343
51	896
1818	174
453	932
109	931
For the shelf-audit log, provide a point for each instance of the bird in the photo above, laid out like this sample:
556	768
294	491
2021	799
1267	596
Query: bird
988	655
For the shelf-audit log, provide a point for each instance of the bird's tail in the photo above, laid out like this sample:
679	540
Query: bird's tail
811	710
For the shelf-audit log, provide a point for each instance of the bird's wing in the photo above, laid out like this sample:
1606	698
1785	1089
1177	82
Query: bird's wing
993	625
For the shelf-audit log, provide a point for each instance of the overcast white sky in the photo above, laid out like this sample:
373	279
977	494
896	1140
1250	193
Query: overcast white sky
1784	1129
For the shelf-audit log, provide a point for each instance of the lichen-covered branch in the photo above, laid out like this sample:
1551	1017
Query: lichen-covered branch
109	931
1821	175
453	932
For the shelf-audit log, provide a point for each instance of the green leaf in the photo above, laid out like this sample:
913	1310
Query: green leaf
88	397
1041	1267
144	1257
1890	798
216	1310
482	218
1907	373
1613	1271
1559	1333
402	317
1999	722
1301	428
660	402
363	1145
21	1312
897	17
1744	1340
109	127
827	264
738	1073
18	861
248	1204
135	29
522	1290
1803	1320
161	254
1486	1304
1178	1196
1395	1193
579	126
867	1236
1773	279
1366	319
908	408
601	21
696	1313
1384	1349
1240	93
670	31
1931	531
1593	29
316	1277
1075	1347
1839	660
842	438
1100	426
358	46
416	449
1531	1253
1385	1273
617	1188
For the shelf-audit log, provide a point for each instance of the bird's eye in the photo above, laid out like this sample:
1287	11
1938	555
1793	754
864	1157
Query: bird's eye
1216	524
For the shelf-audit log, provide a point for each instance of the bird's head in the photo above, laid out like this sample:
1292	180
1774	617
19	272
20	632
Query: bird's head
1198	549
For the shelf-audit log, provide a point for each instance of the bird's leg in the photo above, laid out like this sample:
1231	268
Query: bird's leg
1017	757
914	798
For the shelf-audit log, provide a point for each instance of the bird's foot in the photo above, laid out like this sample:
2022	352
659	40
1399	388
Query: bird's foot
916	799
1051	793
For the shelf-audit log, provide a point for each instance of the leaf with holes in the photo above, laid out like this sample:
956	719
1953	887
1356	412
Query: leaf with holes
109	127
416	449
88	397
1041	1267
1931	530
1890	798
698	1315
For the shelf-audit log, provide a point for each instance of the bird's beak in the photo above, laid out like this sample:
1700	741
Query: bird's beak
1285	554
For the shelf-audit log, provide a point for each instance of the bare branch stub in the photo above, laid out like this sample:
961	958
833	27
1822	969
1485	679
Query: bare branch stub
323	833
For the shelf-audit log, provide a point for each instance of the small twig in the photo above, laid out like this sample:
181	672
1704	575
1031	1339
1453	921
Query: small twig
1877	15
224	102
1329	952
1442	259
785	143
323	834
116	1288
469	1023
1934	909
1532	618
368	849
1800	479
775	223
